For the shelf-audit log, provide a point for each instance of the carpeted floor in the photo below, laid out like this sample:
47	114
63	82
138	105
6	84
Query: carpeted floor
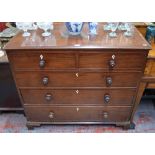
144	120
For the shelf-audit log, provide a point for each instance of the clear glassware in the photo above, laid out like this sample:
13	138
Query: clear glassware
19	25
24	26
34	26
45	26
27	26
107	26
129	29
122	26
114	27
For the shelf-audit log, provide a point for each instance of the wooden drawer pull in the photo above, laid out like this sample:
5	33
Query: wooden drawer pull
51	115
42	61
48	97
106	98
45	80
109	81
112	63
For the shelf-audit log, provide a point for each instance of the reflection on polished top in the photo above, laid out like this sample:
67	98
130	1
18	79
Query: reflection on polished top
59	40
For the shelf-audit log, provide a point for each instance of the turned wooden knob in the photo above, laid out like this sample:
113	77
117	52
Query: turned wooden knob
109	81
42	63
106	98
112	63
45	80
51	115
48	97
105	115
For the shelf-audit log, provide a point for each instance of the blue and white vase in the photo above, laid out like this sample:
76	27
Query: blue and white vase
92	28
74	28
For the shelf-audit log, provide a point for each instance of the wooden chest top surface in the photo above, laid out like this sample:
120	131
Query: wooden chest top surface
58	41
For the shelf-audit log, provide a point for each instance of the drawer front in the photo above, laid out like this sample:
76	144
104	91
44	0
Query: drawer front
79	97
77	114
122	60
58	79
38	60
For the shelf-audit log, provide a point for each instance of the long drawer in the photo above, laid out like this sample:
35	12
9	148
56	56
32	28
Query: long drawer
77	114
79	97
67	60
81	79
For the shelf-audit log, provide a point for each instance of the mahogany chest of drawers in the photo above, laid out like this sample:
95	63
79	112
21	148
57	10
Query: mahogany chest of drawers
78	80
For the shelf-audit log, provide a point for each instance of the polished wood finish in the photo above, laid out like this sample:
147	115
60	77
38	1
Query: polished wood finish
78	97
67	60
77	114
58	41
29	60
102	60
80	79
141	26
76	79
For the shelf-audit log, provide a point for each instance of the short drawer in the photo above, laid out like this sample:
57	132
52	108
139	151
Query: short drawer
77	114
41	60
122	60
81	79
79	97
